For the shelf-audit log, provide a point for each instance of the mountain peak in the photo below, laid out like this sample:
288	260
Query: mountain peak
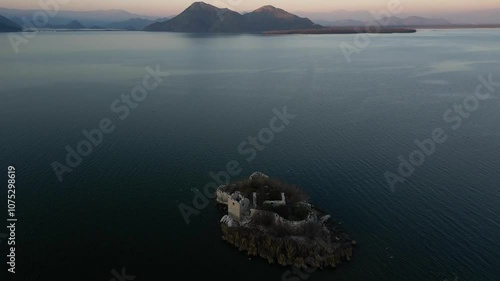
267	8
277	12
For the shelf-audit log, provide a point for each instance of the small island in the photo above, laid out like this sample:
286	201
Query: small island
274	220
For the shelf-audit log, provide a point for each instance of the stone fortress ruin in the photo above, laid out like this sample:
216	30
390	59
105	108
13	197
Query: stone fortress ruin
239	207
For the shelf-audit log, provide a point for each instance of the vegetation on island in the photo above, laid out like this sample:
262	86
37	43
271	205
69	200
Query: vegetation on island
296	234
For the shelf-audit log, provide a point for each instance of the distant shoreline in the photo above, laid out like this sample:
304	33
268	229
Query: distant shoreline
373	29
341	30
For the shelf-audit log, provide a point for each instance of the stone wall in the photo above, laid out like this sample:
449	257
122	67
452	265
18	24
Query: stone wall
281	202
222	197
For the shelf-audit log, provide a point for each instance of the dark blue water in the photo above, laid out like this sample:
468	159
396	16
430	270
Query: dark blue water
119	207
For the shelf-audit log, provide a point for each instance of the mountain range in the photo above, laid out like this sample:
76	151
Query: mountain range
364	19
86	18
100	19
204	18
412	21
134	24
71	25
201	17
334	18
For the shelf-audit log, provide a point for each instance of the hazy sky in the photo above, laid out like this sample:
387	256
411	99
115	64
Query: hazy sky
170	7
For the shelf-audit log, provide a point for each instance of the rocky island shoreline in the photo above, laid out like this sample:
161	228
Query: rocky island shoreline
274	220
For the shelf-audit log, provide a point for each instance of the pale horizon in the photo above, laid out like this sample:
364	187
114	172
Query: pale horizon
162	9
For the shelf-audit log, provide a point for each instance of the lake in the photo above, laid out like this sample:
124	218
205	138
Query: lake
353	118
